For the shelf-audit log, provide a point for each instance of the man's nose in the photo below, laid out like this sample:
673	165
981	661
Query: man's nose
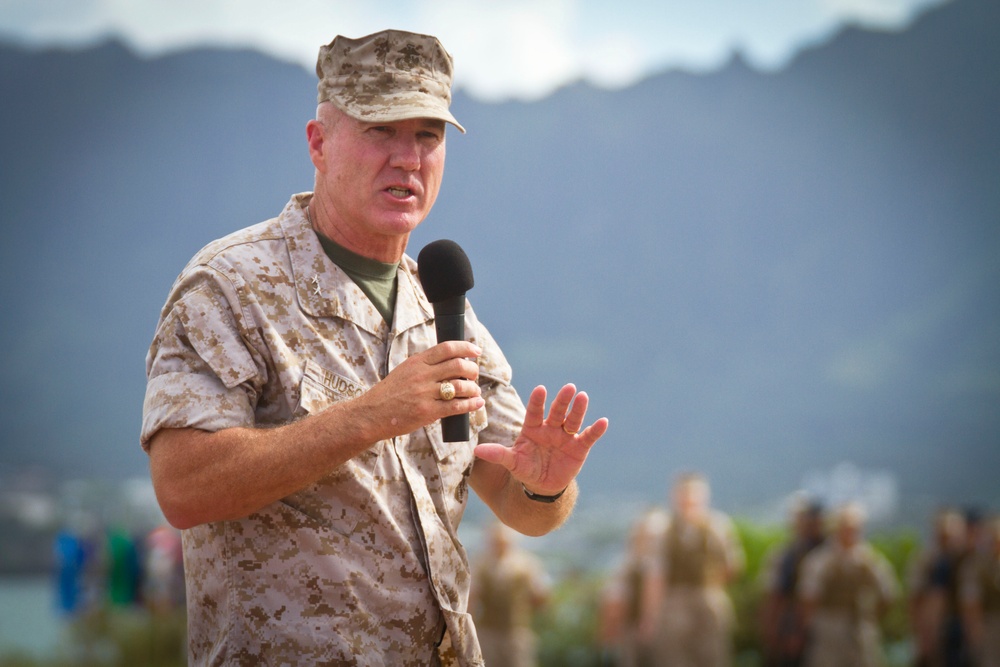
406	153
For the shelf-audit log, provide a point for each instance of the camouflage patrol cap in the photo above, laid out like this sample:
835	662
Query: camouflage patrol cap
387	76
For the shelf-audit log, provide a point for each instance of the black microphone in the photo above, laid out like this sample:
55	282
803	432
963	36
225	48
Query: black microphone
446	274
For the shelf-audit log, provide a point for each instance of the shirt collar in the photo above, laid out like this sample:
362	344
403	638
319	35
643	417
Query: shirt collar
324	290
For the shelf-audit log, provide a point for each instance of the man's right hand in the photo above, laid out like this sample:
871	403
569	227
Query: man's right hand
409	397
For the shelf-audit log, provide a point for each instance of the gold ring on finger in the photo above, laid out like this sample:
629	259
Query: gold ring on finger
447	391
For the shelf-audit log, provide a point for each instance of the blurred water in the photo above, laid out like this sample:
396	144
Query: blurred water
29	622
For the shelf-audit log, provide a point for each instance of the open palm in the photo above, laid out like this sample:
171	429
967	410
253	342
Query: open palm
550	450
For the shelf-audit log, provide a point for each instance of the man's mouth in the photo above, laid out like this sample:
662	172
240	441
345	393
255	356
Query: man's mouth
399	192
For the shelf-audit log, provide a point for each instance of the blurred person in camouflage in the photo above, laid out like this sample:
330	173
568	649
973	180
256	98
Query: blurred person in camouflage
980	598
783	631
622	596
847	588
687	611
295	391
509	585
933	601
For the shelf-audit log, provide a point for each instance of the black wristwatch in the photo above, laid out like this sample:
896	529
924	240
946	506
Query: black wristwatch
538	498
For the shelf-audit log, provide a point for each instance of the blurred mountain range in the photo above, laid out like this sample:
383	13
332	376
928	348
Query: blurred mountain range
754	274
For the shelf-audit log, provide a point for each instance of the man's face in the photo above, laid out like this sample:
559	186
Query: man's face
848	533
691	500
381	179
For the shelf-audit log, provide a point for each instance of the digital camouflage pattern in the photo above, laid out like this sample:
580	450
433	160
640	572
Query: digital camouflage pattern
507	590
696	616
847	587
387	76
700	555
981	592
365	566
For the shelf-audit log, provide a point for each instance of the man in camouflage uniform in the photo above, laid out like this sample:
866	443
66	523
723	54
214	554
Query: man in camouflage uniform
687	608
508	586
295	391
980	597
933	583
846	587
622	597
783	631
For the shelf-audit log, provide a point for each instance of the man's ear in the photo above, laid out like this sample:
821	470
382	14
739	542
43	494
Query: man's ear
315	138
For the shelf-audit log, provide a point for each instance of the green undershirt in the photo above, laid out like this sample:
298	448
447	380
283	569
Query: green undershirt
376	279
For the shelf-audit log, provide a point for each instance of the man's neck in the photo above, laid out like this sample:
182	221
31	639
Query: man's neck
387	249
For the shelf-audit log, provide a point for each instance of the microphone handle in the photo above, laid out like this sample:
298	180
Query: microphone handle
449	323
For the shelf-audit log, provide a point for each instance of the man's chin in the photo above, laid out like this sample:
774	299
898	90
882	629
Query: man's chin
399	225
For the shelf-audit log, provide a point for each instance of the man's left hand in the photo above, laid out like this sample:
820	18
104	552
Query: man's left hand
550	451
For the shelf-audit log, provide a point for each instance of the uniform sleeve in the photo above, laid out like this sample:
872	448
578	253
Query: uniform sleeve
501	419
916	581
732	547
200	371
888	587
655	559
769	576
809	581
541	583
969	585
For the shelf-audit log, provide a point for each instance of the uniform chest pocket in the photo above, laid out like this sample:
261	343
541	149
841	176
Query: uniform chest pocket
320	388
343	498
445	451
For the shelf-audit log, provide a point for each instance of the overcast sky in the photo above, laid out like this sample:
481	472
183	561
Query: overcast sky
502	48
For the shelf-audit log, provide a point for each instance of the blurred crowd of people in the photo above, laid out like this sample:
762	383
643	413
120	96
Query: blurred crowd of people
824	594
954	585
96	569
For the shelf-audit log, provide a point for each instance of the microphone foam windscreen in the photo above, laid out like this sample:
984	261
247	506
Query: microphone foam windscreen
444	270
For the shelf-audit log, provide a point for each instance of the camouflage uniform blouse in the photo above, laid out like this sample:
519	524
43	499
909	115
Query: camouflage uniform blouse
364	567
